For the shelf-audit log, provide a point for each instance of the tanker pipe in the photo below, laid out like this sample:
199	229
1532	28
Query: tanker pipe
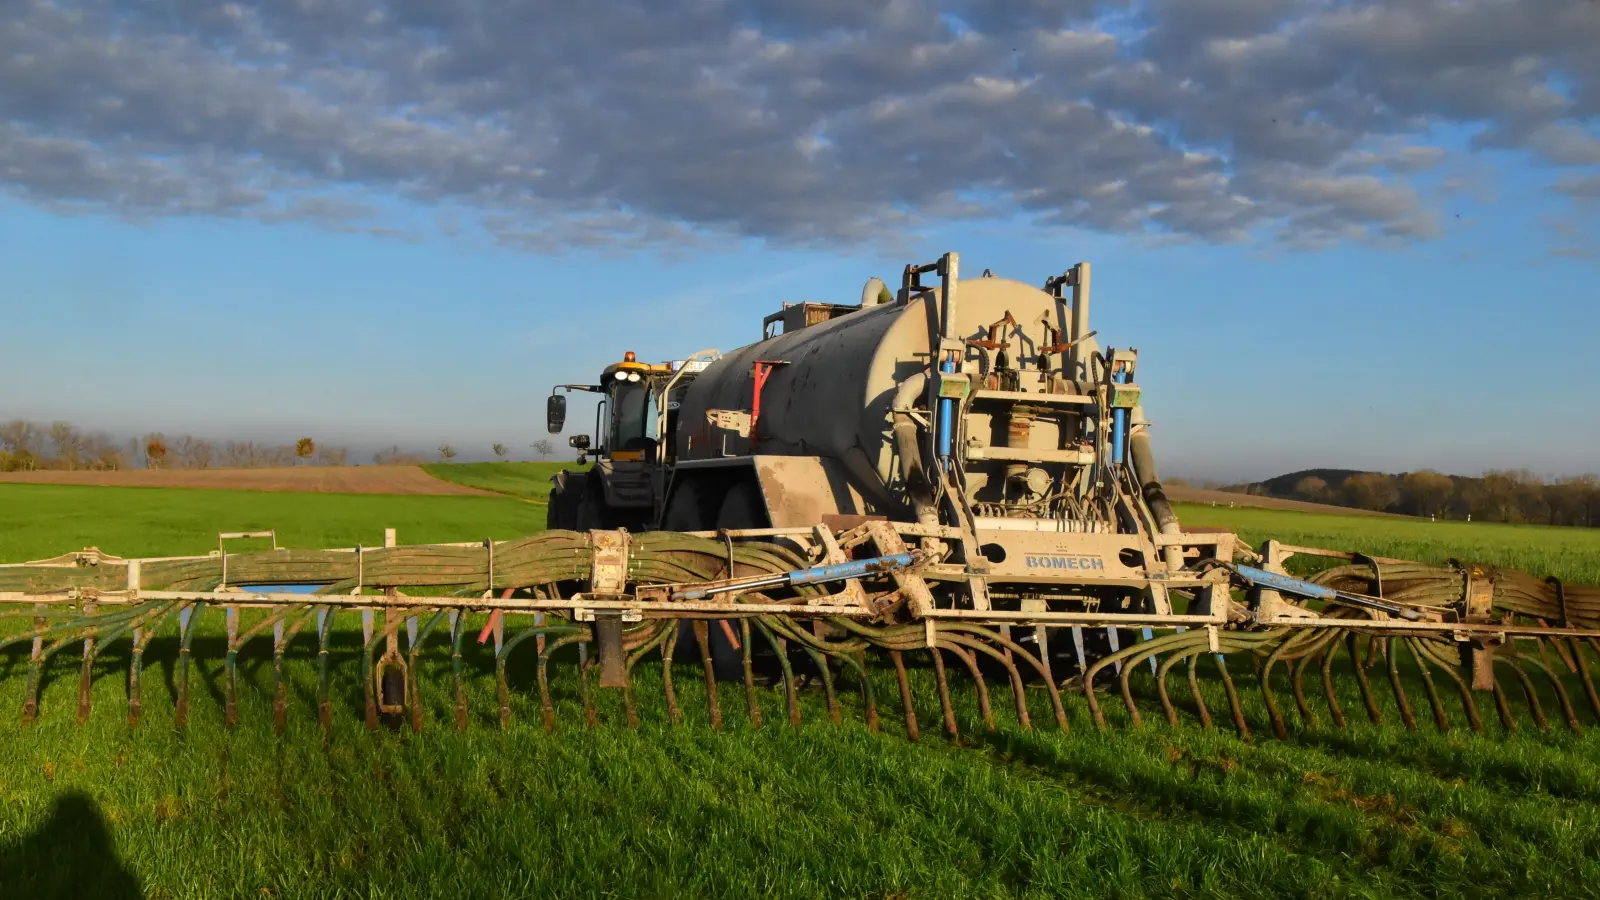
906	444
1144	471
1077	364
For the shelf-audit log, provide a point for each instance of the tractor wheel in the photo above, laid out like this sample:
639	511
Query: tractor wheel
591	509
561	509
687	512
741	508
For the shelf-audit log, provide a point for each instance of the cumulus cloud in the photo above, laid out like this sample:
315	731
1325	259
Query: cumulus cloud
805	122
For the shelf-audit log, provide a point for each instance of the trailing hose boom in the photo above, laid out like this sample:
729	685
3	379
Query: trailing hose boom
955	472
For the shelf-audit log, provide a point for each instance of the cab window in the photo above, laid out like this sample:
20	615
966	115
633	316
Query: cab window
633	420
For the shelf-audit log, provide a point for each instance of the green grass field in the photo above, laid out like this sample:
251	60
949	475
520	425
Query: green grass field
776	811
38	521
1568	553
528	480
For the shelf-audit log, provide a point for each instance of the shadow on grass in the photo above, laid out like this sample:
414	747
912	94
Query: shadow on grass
69	855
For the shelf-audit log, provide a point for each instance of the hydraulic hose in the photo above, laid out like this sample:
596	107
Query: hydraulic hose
1562	605
906	444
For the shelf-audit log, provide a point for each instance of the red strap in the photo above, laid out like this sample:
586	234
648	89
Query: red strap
488	627
494	619
760	372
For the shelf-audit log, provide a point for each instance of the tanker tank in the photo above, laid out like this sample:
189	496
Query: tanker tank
845	391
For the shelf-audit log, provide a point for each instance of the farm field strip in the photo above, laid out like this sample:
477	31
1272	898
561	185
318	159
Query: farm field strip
818	810
41	521
528	480
688	810
1572	554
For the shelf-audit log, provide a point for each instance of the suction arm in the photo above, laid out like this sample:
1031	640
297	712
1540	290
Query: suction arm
1144	470
912	468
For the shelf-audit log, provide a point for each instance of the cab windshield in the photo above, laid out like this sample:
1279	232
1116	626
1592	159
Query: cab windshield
633	421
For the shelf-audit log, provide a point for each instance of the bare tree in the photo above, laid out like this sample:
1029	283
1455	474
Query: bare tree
332	456
190	452
20	440
499	449
101	453
238	454
544	448
202	454
66	445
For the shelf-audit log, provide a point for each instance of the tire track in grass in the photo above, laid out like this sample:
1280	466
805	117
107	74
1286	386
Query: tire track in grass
1563	772
1451	809
1237	795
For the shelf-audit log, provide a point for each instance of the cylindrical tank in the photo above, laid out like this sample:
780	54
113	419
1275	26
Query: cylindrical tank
833	394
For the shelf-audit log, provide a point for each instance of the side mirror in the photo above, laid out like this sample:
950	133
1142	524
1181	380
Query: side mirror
556	413
578	442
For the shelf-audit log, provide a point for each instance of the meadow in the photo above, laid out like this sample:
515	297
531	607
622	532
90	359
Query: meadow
528	480
38	521
105	809
1571	554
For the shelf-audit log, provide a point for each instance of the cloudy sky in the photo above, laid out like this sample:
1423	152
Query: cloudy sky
1340	233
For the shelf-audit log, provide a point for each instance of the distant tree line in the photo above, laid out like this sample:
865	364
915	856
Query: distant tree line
27	446
1499	495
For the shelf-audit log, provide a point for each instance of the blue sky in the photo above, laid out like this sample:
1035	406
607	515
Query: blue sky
1400	282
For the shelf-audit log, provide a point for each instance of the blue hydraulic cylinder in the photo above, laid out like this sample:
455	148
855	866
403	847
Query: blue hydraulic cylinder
1119	426
854	569
946	414
814	575
1290	585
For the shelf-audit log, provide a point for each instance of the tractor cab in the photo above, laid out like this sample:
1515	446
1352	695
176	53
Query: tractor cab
626	420
636	414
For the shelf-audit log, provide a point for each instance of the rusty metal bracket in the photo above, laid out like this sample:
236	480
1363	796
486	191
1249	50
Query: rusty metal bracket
911	585
590	614
1270	607
608	575
833	554
1478	597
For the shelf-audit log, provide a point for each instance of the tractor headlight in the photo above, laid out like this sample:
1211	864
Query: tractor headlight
633	376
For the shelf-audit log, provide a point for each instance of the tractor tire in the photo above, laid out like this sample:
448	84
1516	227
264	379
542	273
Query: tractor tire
553	504
741	508
561	509
688	509
591	509
687	513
